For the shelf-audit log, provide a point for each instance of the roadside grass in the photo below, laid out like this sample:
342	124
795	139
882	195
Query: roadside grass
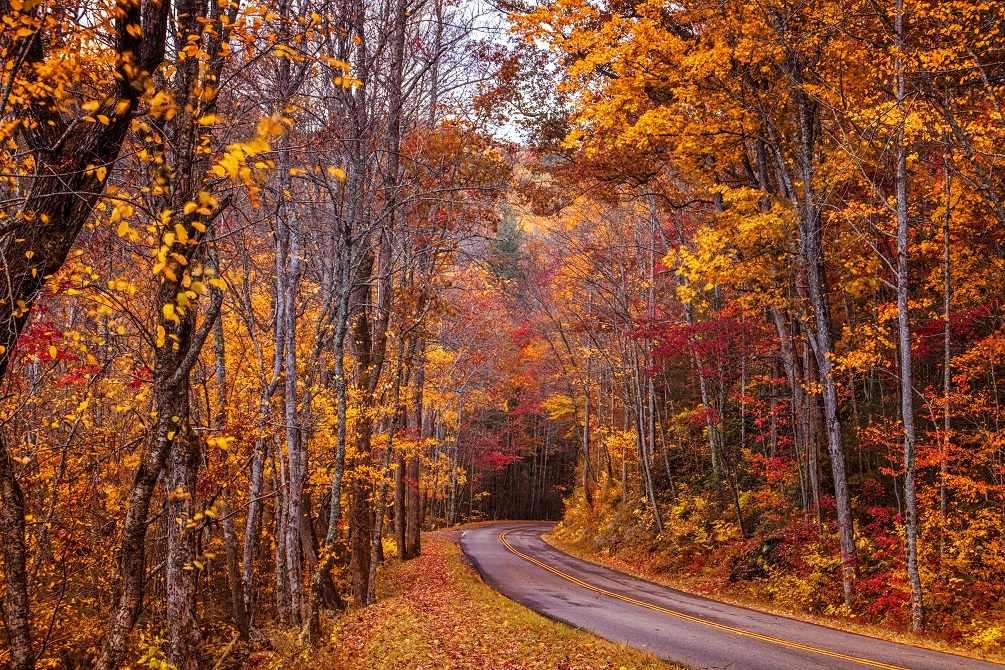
648	566
435	612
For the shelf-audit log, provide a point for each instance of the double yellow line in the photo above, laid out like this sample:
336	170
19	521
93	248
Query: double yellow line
686	617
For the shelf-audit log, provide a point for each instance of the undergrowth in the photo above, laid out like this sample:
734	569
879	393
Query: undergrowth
785	564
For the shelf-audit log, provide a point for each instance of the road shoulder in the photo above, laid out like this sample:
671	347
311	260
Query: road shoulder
436	612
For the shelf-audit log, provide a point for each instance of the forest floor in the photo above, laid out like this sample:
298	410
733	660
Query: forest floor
435	612
647	566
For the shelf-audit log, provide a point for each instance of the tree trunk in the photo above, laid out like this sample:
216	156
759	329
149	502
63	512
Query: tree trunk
794	371
282	590
131	563
640	441
812	430
16	600
182	537
326	558
824	351
378	527
252	522
947	353
296	464
399	506
413	511
822	339
360	531
238	606
172	365
237	598
904	332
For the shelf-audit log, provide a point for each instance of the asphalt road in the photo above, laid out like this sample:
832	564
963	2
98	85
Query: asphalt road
689	629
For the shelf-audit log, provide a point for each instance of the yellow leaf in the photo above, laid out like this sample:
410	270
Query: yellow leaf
169	313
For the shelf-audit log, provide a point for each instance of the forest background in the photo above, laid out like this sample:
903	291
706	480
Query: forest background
285	283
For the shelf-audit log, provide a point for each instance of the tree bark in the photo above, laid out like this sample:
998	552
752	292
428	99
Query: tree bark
947	360
17	600
238	605
904	333
171	378
360	531
399	506
312	620
821	338
296	465
182	537
413	511
381	508
258	458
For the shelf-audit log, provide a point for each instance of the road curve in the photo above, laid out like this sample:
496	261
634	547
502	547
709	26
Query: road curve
701	633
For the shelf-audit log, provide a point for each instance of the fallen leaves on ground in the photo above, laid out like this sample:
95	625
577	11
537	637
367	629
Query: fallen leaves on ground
438	614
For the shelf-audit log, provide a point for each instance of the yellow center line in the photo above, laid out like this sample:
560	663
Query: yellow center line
687	617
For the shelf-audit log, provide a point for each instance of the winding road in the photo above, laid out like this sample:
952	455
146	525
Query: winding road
701	633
